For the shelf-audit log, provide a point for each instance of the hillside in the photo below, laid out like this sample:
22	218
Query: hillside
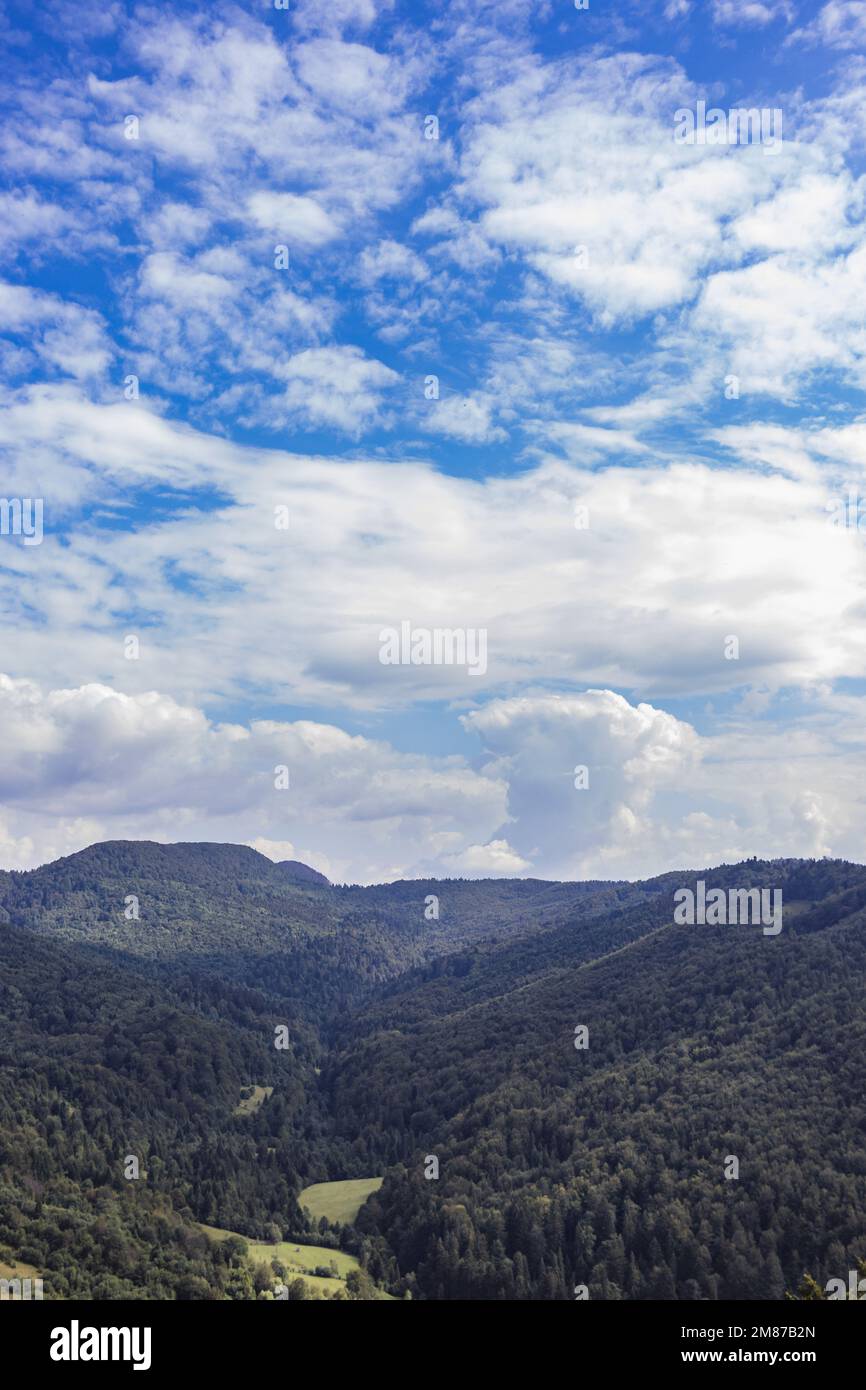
605	1166
228	911
408	1038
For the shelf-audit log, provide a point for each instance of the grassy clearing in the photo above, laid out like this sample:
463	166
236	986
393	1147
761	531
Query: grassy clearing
338	1201
17	1270
302	1258
251	1098
298	1260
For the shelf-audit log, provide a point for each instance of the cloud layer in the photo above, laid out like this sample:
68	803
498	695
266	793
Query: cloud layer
321	322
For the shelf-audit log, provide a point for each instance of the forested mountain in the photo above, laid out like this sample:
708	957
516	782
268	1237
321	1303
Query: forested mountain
229	911
143	987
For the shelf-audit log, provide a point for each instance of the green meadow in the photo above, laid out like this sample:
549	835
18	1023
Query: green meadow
338	1201
298	1260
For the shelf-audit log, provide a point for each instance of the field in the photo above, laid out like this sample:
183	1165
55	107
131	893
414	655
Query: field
249	1104
297	1259
338	1201
18	1270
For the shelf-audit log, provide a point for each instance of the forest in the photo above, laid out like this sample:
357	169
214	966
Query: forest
619	1106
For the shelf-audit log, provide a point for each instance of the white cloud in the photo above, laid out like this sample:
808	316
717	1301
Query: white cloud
572	170
752	13
175	226
166	275
110	765
338	15
574	166
78	765
839	24
217	325
338	387
64	336
293	219
660	796
468	418
539	741
494	860
584	444
675	559
278	850
244	143
782	320
393	261
26	220
343	74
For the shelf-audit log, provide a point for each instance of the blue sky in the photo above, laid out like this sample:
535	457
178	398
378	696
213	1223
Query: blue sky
669	336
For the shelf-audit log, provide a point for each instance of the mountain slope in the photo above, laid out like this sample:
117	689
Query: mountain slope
229	911
606	1166
98	1066
409	1038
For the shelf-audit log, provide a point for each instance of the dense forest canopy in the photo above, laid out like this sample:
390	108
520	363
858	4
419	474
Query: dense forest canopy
581	1069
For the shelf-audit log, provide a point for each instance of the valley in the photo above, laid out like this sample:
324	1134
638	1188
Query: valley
409	1040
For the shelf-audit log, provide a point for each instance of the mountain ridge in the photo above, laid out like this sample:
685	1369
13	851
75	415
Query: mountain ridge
452	1037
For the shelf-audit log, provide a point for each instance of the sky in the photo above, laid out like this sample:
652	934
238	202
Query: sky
328	323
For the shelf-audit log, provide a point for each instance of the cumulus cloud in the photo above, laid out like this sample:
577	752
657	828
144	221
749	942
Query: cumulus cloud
89	763
336	386
653	794
620	576
783	321
242	143
144	766
334	18
541	744
575	167
572	168
216	327
585	289
494	860
389	260
24	218
300	220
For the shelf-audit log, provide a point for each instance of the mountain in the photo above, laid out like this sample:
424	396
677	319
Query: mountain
296	872
606	1167
228	911
142	987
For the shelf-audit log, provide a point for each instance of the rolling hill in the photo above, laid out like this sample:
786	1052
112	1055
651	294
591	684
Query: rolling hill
605	1168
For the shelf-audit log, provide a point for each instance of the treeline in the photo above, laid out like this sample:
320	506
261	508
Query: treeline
602	1168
